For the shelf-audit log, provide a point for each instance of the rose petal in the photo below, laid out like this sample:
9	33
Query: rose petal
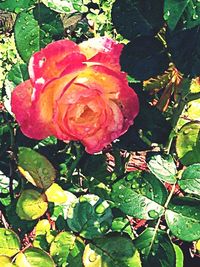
21	101
43	107
77	111
115	87
22	108
109	131
102	50
51	61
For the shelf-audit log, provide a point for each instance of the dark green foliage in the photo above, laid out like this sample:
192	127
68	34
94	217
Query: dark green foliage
144	57
134	18
183	44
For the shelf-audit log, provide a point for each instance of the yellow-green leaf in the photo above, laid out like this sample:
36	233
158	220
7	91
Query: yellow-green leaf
9	242
34	257
56	194
5	261
31	205
42	227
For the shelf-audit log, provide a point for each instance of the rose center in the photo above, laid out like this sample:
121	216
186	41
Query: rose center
87	114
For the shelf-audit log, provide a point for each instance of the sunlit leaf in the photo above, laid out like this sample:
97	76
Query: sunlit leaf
5	261
34	257
56	194
16	5
31	205
186	12
60	6
9	242
179	256
188	143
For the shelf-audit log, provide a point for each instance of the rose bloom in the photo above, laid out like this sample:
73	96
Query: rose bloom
76	92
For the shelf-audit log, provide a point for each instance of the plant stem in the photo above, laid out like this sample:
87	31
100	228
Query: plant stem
165	207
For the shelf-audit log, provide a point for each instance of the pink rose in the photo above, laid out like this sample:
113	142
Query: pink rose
76	92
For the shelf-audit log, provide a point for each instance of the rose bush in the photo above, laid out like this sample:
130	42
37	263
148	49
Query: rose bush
76	92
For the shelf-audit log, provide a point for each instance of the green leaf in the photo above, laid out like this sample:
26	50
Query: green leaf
34	257
18	74
60	6
64	245
122	225
98	188
183	218
36	168
16	5
90	216
188	143
140	195
35	29
183	45
179	256
9	242
111	251
144	58
96	166
134	18
156	248
190	180
163	167
187	12
31	205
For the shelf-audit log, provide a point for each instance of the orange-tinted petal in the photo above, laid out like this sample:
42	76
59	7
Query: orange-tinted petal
43	107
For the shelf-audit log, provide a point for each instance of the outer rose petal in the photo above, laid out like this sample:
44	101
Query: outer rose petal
102	50
51	61
21	107
21	101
